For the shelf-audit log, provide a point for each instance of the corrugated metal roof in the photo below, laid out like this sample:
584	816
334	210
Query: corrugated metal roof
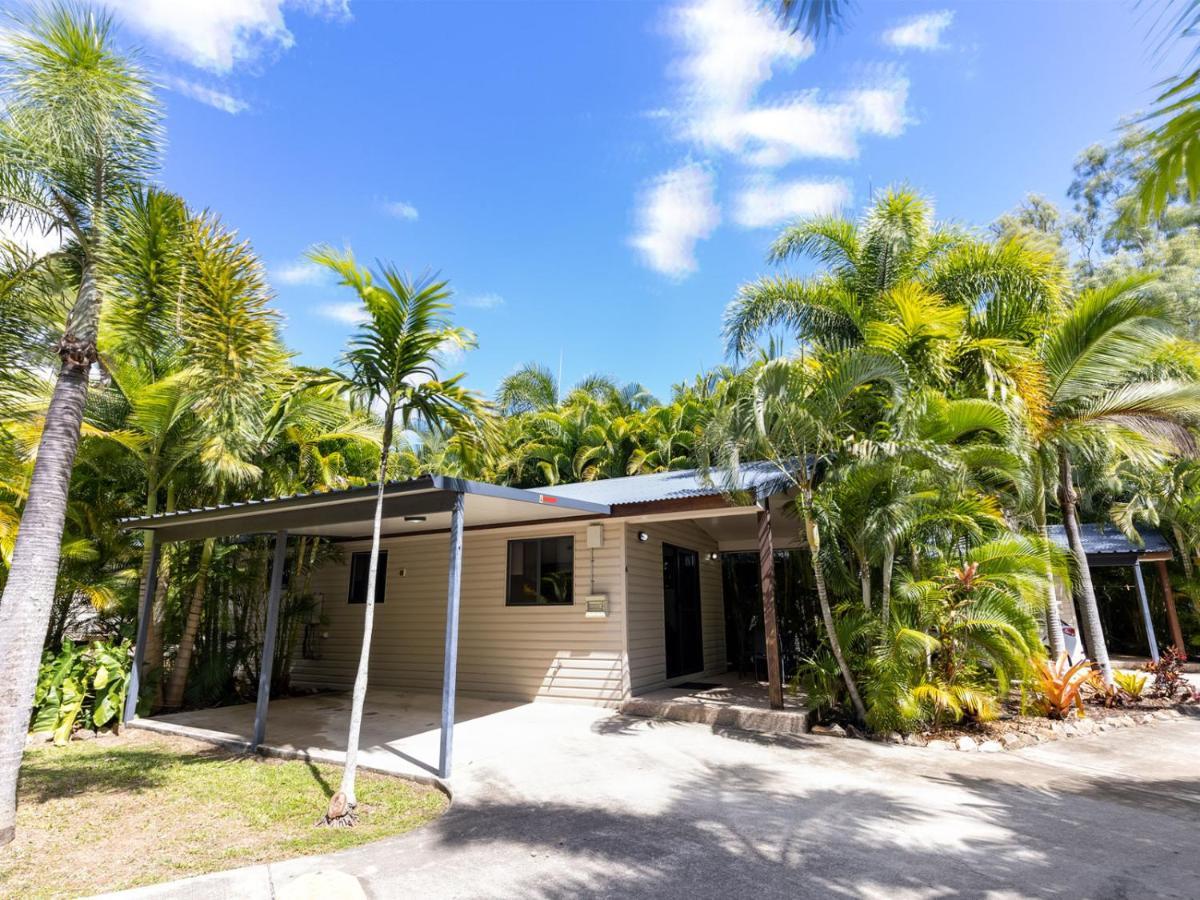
1102	540
760	477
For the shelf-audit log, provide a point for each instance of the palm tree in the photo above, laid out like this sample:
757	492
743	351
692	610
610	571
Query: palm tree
395	359
1097	396
801	415
79	131
531	388
958	638
235	361
958	310
1172	144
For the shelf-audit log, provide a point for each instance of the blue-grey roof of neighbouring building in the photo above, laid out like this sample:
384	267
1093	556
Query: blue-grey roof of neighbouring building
1107	540
760	478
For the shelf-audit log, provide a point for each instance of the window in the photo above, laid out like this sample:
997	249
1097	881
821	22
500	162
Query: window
541	572
360	567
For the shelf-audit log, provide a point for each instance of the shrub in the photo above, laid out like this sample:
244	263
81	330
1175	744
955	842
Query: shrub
1107	695
1058	685
1168	675
80	685
1131	683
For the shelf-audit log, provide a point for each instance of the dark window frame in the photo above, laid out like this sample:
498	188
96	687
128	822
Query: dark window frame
380	582
509	600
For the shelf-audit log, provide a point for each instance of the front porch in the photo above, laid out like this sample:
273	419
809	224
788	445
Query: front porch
729	700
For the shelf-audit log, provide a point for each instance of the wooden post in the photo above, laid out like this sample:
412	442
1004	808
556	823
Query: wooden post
1141	590
450	664
268	651
766	576
143	626
1172	613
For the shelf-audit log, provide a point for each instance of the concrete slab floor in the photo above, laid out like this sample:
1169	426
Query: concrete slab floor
587	804
400	731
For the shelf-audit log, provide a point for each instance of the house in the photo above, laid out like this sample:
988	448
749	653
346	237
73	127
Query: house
588	593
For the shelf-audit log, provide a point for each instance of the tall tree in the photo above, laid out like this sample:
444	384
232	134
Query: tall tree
395	359
79	131
801	415
1098	394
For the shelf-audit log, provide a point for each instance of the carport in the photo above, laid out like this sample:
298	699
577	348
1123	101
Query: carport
427	505
1106	547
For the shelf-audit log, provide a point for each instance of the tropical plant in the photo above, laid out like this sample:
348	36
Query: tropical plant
79	132
1132	683
1059	684
82	686
1168	674
1097	396
396	359
800	415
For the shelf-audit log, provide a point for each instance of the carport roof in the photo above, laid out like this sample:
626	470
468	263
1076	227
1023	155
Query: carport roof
1105	544
420	505
423	504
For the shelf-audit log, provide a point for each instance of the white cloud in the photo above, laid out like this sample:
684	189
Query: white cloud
401	210
923	32
300	272
484	301
217	35
765	203
350	312
677	209
206	95
731	49
808	125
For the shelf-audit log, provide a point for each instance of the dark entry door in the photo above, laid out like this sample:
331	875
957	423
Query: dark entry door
681	611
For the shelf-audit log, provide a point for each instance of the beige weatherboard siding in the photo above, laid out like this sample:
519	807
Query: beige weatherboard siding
644	590
518	652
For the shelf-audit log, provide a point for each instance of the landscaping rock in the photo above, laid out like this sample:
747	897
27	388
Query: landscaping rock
913	740
991	747
940	745
1085	726
83	734
39	737
895	737
834	730
966	744
1011	739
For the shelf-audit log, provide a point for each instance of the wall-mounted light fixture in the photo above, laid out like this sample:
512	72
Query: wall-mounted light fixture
414	518
713	557
643	537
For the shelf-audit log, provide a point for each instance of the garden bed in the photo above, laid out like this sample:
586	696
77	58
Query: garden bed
1012	730
118	812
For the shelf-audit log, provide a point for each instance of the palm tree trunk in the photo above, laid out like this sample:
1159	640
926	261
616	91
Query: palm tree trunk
29	592
152	655
814	547
173	698
341	805
1091	611
889	563
864	580
1185	551
1053	617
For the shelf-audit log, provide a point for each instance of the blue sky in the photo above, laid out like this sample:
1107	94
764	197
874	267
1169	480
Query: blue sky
596	179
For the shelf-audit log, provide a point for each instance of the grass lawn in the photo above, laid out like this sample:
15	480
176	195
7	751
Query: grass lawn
118	812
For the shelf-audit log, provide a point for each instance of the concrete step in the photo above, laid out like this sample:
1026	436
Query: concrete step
795	720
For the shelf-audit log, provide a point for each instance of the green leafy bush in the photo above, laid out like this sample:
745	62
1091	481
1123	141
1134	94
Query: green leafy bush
80	685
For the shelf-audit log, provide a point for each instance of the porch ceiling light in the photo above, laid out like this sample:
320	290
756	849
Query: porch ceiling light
414	518
643	537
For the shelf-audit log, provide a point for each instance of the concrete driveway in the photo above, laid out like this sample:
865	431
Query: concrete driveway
597	805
